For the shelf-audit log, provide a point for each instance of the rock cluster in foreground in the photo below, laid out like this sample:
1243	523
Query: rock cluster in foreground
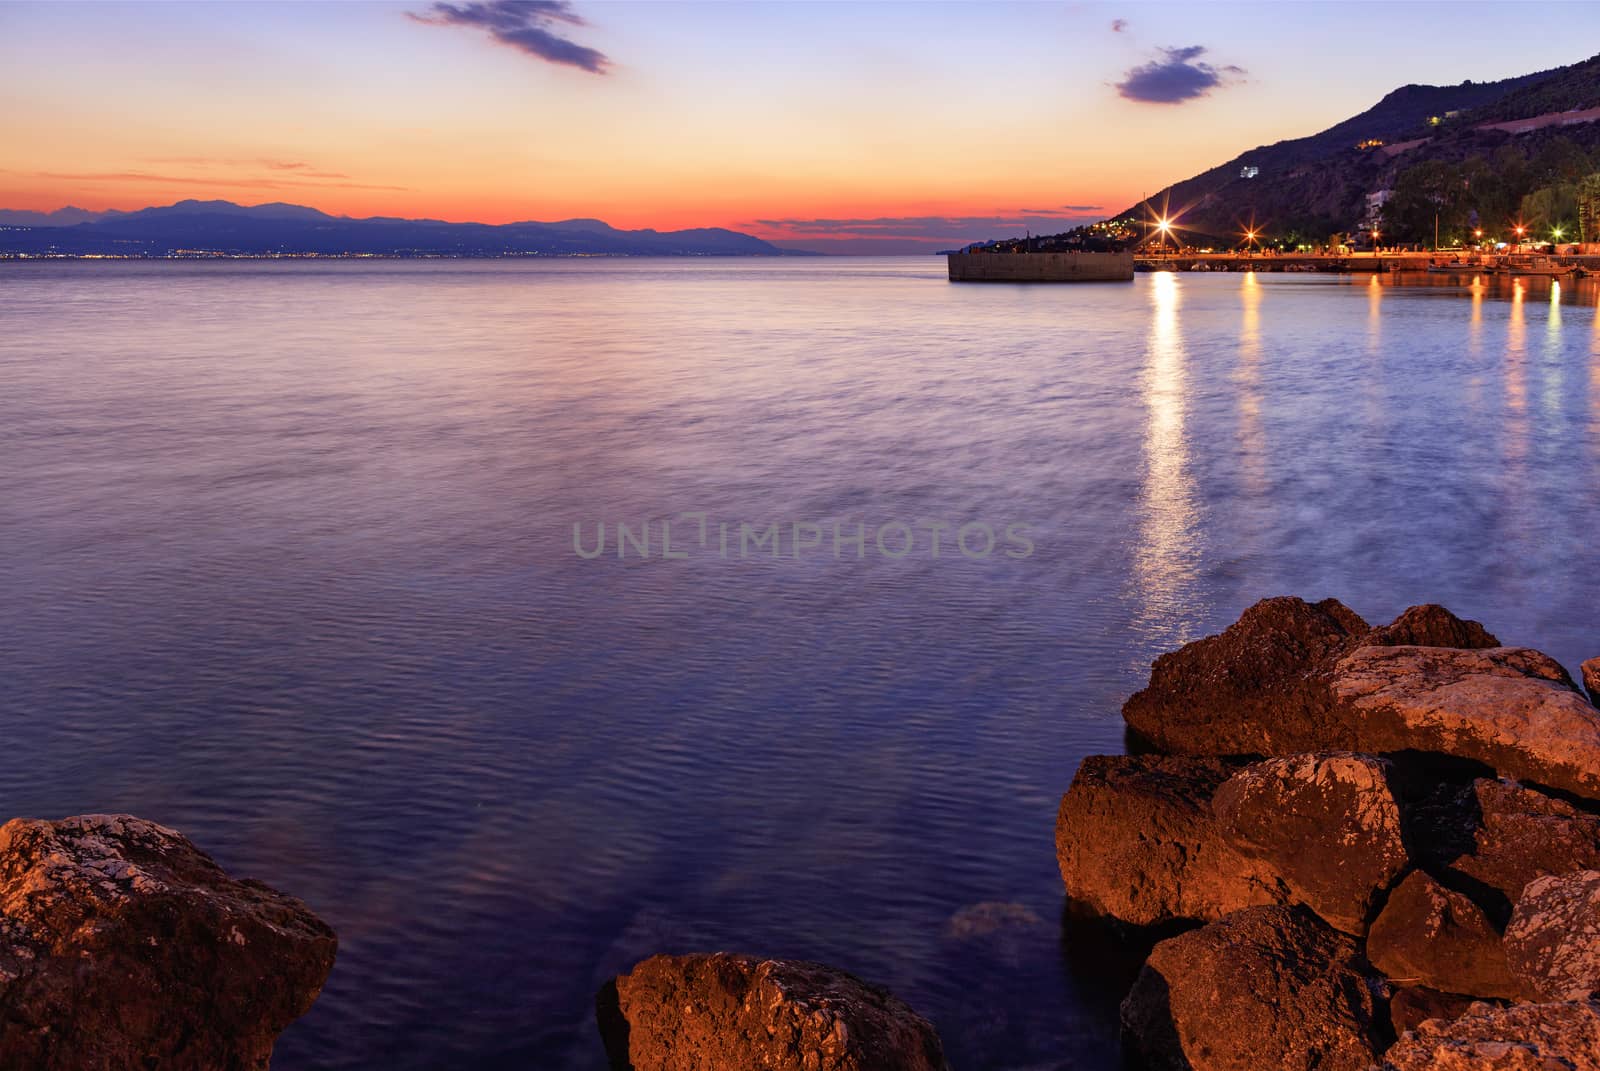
122	945
1373	844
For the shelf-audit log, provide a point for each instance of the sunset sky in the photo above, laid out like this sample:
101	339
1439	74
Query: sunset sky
827	125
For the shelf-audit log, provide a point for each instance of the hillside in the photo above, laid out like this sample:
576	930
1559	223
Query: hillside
282	229
1308	188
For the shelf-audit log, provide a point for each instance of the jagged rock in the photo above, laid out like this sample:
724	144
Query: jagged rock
712	1012
1327	826
1257	688
1265	987
1510	708
1413	1005
1430	625
1514	834
1591	679
122	945
1136	840
1523	1037
1263	685
1432	936
1553	940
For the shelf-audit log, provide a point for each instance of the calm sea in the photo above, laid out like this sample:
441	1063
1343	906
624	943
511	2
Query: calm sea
289	565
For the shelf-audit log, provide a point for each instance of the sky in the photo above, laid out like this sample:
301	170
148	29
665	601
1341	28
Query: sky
846	127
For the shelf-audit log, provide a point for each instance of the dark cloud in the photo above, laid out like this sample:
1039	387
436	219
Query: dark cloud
1176	77
527	25
1118	25
1064	210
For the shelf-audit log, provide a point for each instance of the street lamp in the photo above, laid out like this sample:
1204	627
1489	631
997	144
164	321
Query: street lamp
1163	228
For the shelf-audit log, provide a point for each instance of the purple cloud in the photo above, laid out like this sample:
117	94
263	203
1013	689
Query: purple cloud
526	25
1176	77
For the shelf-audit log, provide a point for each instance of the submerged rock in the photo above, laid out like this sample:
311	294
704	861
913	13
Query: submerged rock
1510	708
1553	940
712	1012
122	945
1136	839
1435	937
1326	826
1266	987
1523	1037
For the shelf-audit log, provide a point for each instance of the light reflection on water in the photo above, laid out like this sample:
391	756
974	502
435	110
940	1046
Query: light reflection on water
1167	557
289	567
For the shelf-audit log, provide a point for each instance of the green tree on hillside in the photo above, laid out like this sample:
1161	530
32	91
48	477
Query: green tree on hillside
1430	191
1550	208
1589	208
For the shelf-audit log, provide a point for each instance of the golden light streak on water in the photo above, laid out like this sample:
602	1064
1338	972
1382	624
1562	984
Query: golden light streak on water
1475	345
1594	384
1252	439
1550	367
1167	558
1517	374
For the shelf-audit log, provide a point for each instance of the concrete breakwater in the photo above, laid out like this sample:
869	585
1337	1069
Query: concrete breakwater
1040	267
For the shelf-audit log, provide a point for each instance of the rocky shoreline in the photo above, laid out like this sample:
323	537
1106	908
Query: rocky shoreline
1343	847
1334	847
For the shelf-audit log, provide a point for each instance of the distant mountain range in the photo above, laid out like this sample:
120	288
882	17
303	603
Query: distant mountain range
222	227
1319	185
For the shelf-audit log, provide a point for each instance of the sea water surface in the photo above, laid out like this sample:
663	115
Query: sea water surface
288	564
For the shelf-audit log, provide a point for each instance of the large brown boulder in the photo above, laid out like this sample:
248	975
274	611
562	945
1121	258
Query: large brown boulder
1510	708
1553	940
1326	826
1136	840
1436	937
122	945
715	1012
1267	987
1591	679
1430	626
1510	834
1413	1005
1523	1037
1263	685
1260	687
